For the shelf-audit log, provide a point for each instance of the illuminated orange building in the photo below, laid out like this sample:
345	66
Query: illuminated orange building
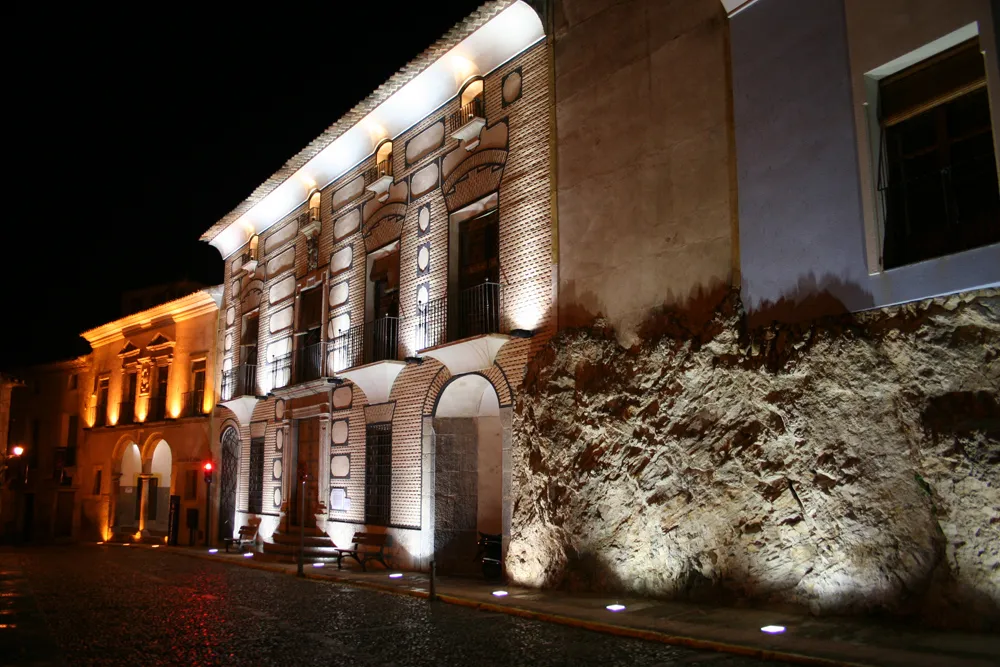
147	400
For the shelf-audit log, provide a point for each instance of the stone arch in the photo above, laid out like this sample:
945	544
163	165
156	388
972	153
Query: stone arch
470	434
119	451
494	375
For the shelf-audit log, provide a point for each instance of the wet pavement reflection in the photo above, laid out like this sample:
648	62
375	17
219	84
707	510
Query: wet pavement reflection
112	605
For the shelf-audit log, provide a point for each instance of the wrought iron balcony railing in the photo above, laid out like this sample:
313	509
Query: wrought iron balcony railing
309	362
101	414
281	371
157	408
474	108
383	168
126	412
240	381
366	343
475	311
193	404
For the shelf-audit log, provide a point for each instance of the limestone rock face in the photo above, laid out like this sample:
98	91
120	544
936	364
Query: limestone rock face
848	465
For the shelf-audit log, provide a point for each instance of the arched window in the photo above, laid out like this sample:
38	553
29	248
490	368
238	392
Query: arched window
314	200
383	159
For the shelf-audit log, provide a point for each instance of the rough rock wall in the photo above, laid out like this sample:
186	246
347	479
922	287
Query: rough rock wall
848	464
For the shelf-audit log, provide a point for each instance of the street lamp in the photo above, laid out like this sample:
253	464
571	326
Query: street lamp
208	499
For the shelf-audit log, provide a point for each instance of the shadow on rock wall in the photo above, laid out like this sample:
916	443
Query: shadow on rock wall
847	464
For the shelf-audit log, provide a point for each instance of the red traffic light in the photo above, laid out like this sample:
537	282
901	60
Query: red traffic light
208	467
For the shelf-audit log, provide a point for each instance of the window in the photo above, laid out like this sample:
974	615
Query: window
255	497
74	426
378	473
937	176
126	410
314	202
101	414
478	308
310	360
190	485
198	372
158	402
96	490
73	379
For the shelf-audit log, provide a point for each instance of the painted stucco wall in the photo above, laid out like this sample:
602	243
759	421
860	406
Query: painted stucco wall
644	157
797	96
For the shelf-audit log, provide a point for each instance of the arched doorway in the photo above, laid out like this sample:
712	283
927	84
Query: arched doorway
157	510
468	472
127	506
227	482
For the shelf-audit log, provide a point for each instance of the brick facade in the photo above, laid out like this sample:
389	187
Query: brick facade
526	272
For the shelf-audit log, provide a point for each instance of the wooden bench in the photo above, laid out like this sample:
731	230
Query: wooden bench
247	536
376	549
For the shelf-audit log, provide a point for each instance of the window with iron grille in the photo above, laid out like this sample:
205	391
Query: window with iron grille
378	473
937	170
255	498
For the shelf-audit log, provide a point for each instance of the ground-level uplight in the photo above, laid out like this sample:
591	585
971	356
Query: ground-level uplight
396	575
100	542
318	564
773	629
156	546
248	554
615	607
500	594
213	551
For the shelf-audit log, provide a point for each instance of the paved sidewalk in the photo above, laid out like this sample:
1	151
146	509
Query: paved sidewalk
807	640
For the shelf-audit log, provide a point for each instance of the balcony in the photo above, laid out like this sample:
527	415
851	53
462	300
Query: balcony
240	381
281	371
476	311
379	178
309	363
466	333
466	123
126	412
193	404
366	343
101	415
157	408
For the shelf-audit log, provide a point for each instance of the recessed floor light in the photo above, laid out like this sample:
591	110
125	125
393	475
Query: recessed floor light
615	607
773	629
318	564
249	554
156	546
500	594
396	575
213	551
100	542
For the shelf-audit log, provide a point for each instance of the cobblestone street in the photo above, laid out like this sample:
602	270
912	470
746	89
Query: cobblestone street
115	605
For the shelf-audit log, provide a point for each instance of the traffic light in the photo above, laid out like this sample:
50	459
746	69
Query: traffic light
208	472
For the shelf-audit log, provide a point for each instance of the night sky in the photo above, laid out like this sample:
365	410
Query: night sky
131	132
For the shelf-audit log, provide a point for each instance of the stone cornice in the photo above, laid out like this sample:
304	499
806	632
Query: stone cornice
193	305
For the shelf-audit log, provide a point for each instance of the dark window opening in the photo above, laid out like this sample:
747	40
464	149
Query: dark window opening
151	499
255	497
310	352
101	414
71	434
96	490
478	307
378	473
937	172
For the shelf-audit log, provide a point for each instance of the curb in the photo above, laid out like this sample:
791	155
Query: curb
547	617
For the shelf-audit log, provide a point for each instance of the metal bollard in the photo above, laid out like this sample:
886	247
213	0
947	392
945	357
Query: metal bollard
432	593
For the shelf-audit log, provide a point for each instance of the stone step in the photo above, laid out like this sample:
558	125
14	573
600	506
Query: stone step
313	551
293	539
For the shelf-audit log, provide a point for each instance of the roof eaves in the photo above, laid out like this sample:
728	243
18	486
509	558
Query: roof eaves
407	73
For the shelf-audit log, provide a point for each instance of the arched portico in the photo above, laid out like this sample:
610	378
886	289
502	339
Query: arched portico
142	479
471	440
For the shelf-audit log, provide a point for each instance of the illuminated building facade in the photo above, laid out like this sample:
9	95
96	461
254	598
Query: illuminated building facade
40	487
382	296
146	401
